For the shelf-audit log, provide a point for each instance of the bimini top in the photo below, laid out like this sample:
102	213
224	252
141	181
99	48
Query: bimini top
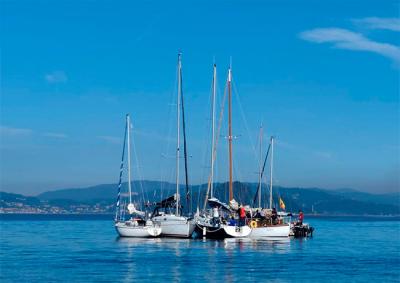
168	202
213	202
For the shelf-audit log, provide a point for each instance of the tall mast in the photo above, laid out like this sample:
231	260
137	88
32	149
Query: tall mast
188	203
260	168
230	133
271	168
121	170
213	129
178	134
128	124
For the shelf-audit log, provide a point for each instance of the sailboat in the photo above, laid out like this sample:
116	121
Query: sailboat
215	225
173	223
137	225
268	222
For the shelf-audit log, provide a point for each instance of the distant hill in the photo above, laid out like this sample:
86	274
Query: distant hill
104	191
310	200
388	198
13	198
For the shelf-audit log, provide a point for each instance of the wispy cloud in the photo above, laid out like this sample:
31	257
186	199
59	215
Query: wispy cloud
284	144
346	39
153	135
379	23
323	154
110	139
56	77
10	131
55	135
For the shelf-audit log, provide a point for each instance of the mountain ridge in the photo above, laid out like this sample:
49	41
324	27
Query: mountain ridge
310	200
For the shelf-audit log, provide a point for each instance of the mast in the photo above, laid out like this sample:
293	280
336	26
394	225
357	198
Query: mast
213	130
230	133
271	168
262	173
121	170
260	168
178	134
128	124
185	147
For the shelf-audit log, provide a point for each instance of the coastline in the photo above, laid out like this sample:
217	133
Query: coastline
112	215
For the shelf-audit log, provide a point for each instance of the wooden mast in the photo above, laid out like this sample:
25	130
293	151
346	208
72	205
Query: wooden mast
230	134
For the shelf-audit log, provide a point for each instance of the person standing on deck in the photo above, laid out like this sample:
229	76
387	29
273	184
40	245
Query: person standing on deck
274	216
215	216
301	217
242	216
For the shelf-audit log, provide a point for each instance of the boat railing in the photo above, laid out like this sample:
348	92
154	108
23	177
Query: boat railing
268	221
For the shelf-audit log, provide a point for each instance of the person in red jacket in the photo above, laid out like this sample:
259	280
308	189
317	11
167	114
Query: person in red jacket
242	216
301	217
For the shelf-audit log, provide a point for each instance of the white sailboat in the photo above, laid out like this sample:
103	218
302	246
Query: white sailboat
215	225
137	225
268	226
174	224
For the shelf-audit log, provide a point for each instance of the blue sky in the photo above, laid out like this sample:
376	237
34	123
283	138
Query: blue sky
322	76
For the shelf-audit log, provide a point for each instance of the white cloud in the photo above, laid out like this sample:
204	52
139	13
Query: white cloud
346	39
56	77
55	135
110	139
9	131
379	23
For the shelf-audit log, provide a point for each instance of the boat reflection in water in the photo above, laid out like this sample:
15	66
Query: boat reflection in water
157	258
269	245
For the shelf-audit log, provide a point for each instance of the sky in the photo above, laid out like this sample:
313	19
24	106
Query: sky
321	76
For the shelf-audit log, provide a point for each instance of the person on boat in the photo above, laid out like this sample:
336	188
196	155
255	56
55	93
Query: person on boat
258	214
262	214
242	216
274	216
301	218
232	221
215	215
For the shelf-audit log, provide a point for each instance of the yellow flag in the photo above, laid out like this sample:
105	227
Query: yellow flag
282	204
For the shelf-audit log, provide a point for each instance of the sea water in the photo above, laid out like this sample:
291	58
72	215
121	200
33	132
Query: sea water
86	249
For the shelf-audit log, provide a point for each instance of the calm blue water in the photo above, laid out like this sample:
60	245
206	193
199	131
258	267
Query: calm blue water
76	249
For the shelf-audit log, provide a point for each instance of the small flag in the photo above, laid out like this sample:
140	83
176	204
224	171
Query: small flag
282	204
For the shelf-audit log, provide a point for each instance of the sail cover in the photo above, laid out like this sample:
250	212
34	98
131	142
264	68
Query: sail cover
213	202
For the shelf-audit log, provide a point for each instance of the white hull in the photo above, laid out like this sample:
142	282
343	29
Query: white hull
175	226
236	231
271	231
206	229
125	229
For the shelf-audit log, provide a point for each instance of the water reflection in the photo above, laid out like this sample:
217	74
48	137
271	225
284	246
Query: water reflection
270	245
173	258
132	242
